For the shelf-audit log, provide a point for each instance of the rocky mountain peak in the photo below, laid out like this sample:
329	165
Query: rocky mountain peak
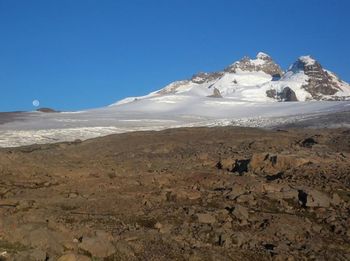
263	62
320	81
303	63
263	56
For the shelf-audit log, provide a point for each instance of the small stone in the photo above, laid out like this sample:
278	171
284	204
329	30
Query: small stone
241	213
68	257
73	195
83	258
206	218
165	229
69	245
25	204
73	257
158	226
194	195
236	191
316	228
336	199
238	239
38	255
247	198
124	250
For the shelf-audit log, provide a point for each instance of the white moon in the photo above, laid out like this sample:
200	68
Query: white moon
36	103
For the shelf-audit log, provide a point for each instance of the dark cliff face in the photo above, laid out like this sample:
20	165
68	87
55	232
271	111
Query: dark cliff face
286	95
320	82
265	64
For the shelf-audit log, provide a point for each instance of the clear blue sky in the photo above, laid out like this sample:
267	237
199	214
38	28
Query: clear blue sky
77	54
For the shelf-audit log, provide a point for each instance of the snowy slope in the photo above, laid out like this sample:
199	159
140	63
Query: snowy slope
157	113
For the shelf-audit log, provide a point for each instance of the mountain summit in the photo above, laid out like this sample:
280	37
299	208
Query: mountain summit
320	83
261	80
263	62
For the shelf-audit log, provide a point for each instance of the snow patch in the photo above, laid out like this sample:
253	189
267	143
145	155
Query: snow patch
307	60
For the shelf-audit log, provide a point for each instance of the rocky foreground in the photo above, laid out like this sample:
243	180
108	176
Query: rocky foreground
181	194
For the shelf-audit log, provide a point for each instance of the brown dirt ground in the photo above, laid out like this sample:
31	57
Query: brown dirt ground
182	194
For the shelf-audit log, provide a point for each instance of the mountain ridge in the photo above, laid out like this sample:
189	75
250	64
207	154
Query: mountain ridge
261	80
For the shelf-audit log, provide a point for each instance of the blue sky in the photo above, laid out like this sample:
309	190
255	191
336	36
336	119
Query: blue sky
77	54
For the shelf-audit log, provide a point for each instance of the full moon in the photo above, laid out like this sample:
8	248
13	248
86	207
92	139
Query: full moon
36	103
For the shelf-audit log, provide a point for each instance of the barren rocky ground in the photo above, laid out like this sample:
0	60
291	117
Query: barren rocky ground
182	194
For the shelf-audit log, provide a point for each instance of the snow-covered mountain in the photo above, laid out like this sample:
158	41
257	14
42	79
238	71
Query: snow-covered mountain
261	80
246	93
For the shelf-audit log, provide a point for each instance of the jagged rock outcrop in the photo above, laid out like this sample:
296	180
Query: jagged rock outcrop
216	94
263	62
173	87
287	94
201	78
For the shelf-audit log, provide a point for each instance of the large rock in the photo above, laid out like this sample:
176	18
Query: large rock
98	246
317	199
240	166
274	163
287	95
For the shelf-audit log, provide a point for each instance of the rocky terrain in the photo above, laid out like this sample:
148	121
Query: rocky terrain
182	194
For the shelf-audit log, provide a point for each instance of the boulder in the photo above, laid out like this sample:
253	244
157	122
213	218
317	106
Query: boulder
317	199
275	163
308	143
287	95
240	166
98	246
